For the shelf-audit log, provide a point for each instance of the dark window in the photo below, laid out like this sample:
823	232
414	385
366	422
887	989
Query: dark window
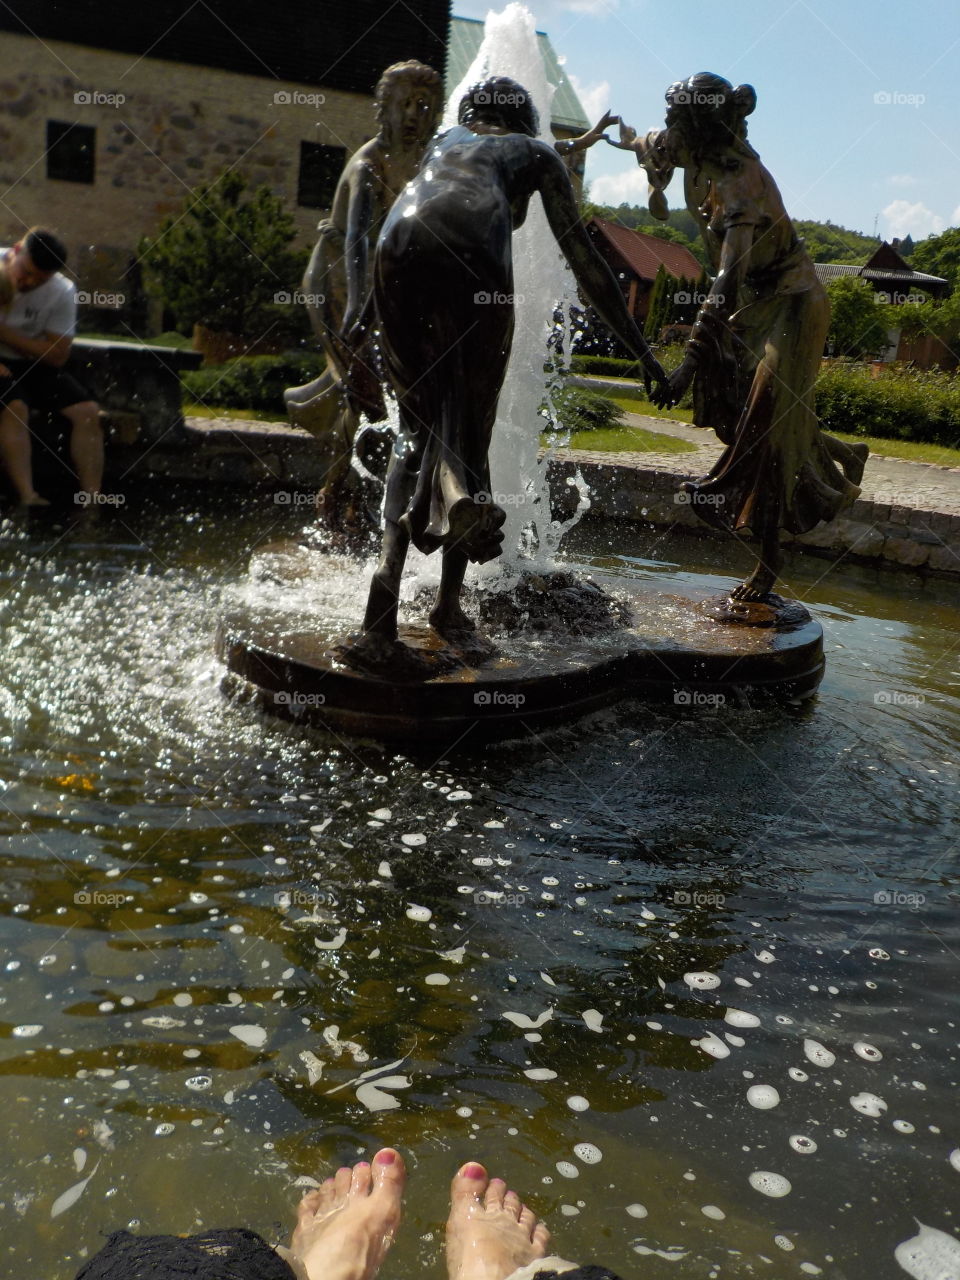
320	169
71	151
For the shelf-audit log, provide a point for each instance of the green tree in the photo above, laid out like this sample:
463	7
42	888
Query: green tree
225	257
940	256
659	306
858	323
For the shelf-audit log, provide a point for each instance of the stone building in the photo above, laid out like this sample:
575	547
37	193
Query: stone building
110	112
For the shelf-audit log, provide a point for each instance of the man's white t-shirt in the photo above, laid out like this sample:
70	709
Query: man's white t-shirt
50	308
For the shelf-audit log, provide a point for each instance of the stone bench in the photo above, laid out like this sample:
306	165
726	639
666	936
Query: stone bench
139	392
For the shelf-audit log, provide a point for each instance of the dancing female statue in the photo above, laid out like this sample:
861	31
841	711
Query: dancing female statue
755	349
443	286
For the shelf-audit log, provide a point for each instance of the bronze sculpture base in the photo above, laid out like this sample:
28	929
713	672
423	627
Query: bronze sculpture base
678	648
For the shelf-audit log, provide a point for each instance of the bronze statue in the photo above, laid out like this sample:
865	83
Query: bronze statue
409	97
443	287
755	349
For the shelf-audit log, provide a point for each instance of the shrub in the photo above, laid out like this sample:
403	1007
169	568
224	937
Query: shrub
576	409
605	367
252	382
899	405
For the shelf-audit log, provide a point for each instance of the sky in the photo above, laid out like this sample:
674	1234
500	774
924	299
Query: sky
858	101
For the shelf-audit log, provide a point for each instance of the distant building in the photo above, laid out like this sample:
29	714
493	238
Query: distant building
111	111
889	276
895	282
567	117
635	258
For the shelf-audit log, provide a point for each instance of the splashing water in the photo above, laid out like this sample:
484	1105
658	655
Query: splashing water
543	284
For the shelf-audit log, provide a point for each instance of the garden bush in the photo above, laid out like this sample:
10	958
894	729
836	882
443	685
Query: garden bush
252	382
900	404
576	409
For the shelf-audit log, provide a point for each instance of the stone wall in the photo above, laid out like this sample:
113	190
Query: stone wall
176	126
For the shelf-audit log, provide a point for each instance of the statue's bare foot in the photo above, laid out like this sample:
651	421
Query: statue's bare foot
757	587
490	1232
346	1226
376	655
460	631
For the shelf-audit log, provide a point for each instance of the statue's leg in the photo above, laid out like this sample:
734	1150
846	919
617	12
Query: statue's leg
852	457
761	582
380	618
447	617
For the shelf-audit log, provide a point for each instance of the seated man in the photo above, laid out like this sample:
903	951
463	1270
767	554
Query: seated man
36	335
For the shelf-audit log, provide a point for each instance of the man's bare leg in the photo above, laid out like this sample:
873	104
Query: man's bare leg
15	452
346	1226
490	1232
86	444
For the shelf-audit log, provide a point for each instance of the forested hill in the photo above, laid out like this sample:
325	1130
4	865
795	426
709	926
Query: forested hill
824	241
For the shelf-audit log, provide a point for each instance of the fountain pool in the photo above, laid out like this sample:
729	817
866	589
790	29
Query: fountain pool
656	968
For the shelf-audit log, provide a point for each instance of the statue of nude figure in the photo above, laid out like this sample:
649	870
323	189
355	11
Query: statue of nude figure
443	286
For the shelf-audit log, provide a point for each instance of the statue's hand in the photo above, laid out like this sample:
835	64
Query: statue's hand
657	383
628	135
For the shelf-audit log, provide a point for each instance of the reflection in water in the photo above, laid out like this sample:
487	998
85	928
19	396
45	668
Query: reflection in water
684	977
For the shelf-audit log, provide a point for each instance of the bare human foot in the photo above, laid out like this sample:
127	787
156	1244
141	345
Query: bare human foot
490	1232
346	1226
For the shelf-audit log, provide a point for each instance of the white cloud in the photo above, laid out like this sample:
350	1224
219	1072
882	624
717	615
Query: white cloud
903	218
902	180
629	187
595	100
955	220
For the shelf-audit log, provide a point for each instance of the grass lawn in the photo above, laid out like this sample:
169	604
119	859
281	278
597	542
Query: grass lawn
909	450
624	440
192	409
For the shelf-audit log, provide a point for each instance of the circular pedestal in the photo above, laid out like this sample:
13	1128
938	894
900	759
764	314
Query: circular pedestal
676	650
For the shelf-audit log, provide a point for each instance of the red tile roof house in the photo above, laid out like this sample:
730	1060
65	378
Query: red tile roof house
634	258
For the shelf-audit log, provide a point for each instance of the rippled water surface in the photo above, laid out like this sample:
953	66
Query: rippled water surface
686	977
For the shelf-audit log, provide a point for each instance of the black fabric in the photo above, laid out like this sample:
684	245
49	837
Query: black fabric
41	386
588	1272
236	1254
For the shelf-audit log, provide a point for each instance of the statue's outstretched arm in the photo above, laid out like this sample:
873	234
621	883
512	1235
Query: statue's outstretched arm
593	275
361	210
565	146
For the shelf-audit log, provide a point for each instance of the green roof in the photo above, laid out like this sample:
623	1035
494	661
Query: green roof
466	36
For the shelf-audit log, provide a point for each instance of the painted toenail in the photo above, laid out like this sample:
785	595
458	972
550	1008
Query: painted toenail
473	1171
385	1157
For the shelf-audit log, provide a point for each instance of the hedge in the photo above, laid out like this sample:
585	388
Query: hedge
253	382
898	405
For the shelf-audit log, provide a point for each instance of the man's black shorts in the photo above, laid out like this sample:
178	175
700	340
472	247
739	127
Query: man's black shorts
43	387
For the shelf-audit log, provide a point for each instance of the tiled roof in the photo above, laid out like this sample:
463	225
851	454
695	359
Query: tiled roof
832	270
643	254
466	36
